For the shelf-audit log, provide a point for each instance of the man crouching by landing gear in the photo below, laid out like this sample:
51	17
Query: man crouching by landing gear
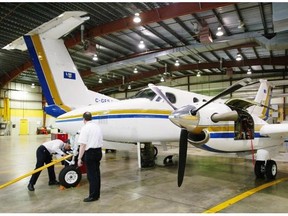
44	156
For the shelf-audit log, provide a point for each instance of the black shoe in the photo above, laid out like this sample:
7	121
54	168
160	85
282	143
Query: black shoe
53	183
30	187
90	199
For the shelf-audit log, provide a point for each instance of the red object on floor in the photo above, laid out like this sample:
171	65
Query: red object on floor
83	169
61	136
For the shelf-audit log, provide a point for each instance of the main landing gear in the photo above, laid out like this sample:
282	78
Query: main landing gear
264	166
269	169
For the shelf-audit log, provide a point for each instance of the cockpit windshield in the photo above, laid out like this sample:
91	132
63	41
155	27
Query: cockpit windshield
146	93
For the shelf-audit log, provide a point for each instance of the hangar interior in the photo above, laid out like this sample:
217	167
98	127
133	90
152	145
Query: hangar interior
194	46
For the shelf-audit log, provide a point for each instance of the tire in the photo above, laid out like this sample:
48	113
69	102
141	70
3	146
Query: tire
271	169
70	176
168	161
259	169
155	152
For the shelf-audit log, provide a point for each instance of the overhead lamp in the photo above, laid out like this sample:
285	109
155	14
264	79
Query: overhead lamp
219	32
162	79
95	57
137	18
135	70
249	71
100	80
238	57
241	24
198	74
177	63
129	86
141	44
32	85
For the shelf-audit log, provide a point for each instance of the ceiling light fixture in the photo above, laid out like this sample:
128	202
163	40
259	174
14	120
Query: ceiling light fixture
249	71
241	24
162	79
95	57
100	80
238	57
137	18
198	74
135	70
177	63
141	44
32	85
129	87
219	32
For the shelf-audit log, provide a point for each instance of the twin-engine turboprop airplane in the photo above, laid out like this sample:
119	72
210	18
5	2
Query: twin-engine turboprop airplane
227	128
143	119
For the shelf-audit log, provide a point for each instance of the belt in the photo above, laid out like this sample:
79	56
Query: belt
94	148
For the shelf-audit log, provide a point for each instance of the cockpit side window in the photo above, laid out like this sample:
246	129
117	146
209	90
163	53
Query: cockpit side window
147	93
171	97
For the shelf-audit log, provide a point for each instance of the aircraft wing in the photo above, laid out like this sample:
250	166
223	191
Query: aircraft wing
275	130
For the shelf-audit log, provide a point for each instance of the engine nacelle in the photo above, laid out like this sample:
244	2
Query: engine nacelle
198	139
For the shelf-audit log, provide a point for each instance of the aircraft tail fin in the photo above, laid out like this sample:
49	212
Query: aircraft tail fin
263	99
60	80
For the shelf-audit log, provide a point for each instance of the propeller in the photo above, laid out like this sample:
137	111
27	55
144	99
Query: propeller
161	94
232	88
182	155
179	112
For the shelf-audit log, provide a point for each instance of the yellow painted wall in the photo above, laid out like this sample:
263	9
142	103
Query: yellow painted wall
24	127
26	113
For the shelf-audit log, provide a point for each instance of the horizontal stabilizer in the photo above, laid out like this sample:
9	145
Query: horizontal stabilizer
52	29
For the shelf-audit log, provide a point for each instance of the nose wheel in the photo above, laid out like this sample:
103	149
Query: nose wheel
70	176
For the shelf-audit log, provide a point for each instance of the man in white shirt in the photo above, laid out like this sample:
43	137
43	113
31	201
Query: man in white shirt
44	156
91	142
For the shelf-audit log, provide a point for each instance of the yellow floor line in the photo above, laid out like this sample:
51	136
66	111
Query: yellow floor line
34	171
242	196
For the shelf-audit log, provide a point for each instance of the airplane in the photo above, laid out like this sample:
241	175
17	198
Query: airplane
56	71
141	119
227	128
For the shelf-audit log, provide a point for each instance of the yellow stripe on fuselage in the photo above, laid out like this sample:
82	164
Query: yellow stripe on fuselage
120	111
47	72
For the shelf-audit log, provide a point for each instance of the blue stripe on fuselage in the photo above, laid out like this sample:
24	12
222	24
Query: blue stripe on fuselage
131	116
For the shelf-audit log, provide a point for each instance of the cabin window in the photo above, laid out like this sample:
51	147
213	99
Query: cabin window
171	97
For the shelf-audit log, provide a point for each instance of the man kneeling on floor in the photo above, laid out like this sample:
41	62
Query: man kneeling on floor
44	156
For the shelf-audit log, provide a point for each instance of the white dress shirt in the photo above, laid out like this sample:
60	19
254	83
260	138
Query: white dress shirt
91	135
55	146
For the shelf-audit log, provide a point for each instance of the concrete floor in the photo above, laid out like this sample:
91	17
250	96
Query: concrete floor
210	179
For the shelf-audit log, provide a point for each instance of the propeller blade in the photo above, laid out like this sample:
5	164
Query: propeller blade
161	94
182	155
232	88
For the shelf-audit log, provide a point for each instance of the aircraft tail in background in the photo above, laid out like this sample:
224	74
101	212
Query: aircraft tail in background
263	99
60	80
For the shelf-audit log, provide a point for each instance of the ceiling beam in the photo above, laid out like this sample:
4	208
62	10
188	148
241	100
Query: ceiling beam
283	60
8	77
155	15
151	16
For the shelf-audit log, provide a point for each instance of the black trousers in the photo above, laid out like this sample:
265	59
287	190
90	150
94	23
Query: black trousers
43	157
92	160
